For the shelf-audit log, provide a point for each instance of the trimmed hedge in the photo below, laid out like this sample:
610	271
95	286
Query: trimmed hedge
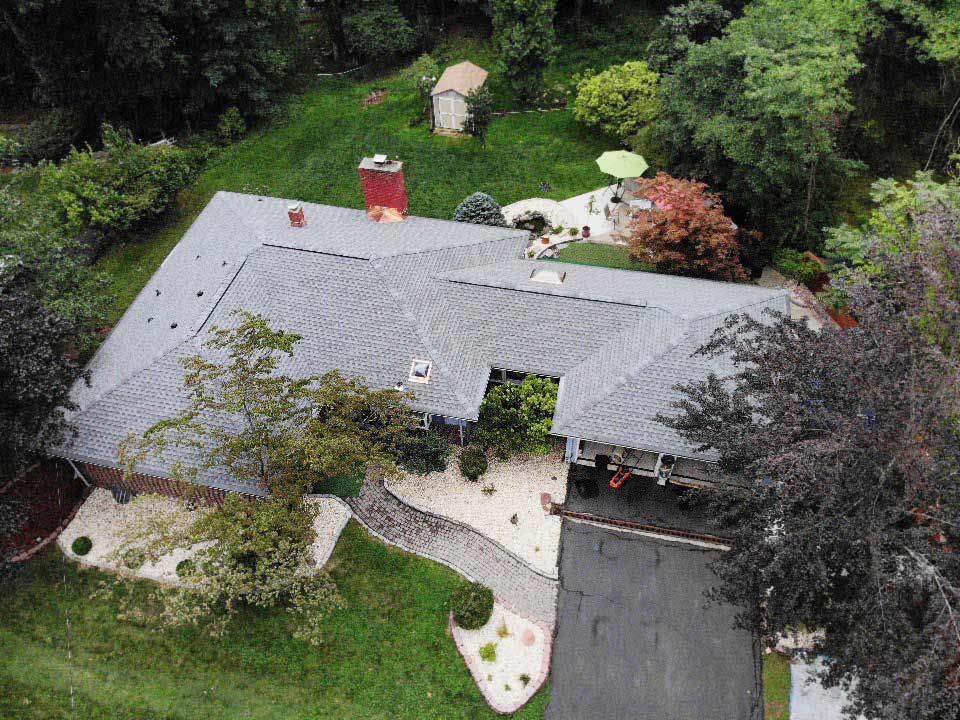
472	605
82	545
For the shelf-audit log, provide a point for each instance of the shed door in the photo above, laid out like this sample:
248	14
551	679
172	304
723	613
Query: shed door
449	110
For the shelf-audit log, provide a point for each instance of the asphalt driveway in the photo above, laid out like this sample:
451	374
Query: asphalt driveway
636	638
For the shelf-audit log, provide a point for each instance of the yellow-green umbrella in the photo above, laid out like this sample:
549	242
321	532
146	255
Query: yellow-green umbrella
622	164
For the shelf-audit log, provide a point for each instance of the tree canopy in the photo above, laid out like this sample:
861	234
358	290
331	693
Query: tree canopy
841	450
286	435
517	418
687	233
621	100
525	38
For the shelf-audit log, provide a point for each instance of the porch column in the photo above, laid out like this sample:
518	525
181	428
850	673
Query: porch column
572	452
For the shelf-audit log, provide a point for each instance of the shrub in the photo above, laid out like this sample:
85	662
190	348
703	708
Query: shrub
473	463
517	418
488	490
621	100
10	149
231	126
378	31
185	568
488	652
797	266
472	605
47	138
82	545
424	452
422	74
525	679
479	113
480	209
127	186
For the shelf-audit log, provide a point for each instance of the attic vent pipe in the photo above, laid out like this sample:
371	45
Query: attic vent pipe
296	215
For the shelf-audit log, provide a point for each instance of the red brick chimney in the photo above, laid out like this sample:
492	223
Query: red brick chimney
384	187
296	215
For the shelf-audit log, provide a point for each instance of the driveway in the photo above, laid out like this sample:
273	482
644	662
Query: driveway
636	638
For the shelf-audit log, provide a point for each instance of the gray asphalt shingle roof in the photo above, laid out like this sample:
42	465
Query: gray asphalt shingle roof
368	298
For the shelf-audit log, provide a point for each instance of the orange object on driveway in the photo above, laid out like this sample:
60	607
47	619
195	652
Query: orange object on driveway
620	477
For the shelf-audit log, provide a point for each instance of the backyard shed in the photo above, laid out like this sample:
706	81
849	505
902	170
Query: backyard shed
449	95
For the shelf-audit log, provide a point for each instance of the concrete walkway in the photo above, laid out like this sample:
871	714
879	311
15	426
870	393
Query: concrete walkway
457	546
809	700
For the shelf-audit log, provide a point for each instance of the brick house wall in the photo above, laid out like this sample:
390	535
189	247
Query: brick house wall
110	478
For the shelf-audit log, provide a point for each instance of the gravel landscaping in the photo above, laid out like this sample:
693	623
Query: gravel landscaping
509	657
511	514
332	518
104	521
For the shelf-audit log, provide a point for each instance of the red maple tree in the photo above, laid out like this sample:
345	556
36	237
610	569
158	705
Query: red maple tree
686	232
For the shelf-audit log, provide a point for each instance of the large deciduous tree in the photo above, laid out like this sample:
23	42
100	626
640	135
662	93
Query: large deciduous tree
843	454
687	232
526	42
286	435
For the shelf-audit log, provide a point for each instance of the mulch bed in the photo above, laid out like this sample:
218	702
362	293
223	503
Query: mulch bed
36	507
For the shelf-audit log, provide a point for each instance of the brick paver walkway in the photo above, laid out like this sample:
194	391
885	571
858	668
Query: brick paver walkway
465	550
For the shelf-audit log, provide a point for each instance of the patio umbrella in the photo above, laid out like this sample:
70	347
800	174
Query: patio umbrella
622	164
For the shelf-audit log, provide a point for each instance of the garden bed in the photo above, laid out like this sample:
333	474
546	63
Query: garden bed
105	522
36	505
509	657
507	490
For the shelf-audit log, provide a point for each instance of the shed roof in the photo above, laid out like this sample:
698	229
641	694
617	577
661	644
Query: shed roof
368	298
463	77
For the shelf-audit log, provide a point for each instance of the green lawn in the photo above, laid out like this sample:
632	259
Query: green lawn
776	687
612	256
388	654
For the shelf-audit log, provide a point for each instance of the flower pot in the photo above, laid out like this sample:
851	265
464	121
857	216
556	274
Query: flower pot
545	239
586	231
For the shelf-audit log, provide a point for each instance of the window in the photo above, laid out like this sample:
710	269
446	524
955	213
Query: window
420	371
554	277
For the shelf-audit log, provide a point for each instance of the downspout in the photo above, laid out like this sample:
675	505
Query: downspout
77	473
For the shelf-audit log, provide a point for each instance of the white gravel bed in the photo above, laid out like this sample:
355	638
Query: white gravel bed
331	520
103	520
517	485
522	653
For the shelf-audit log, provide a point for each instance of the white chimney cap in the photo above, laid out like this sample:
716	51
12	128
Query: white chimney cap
293	207
380	159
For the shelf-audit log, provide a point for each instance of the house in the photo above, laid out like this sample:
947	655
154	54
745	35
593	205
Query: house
442	307
449	95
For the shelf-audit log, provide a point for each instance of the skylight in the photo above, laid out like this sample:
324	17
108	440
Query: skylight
554	277
420	371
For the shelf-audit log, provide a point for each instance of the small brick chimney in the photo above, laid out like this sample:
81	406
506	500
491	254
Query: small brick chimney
384	187
296	215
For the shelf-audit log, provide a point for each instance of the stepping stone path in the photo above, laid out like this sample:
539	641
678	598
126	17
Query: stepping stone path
459	547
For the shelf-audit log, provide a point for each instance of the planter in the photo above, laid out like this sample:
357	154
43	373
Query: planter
586	231
545	239
844	319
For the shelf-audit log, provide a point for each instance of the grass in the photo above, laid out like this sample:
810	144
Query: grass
388	654
612	256
776	687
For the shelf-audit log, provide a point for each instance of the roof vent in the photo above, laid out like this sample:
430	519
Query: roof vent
296	215
543	275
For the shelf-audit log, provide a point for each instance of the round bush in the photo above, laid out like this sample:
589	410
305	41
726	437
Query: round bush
472	605
473	463
184	567
82	545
